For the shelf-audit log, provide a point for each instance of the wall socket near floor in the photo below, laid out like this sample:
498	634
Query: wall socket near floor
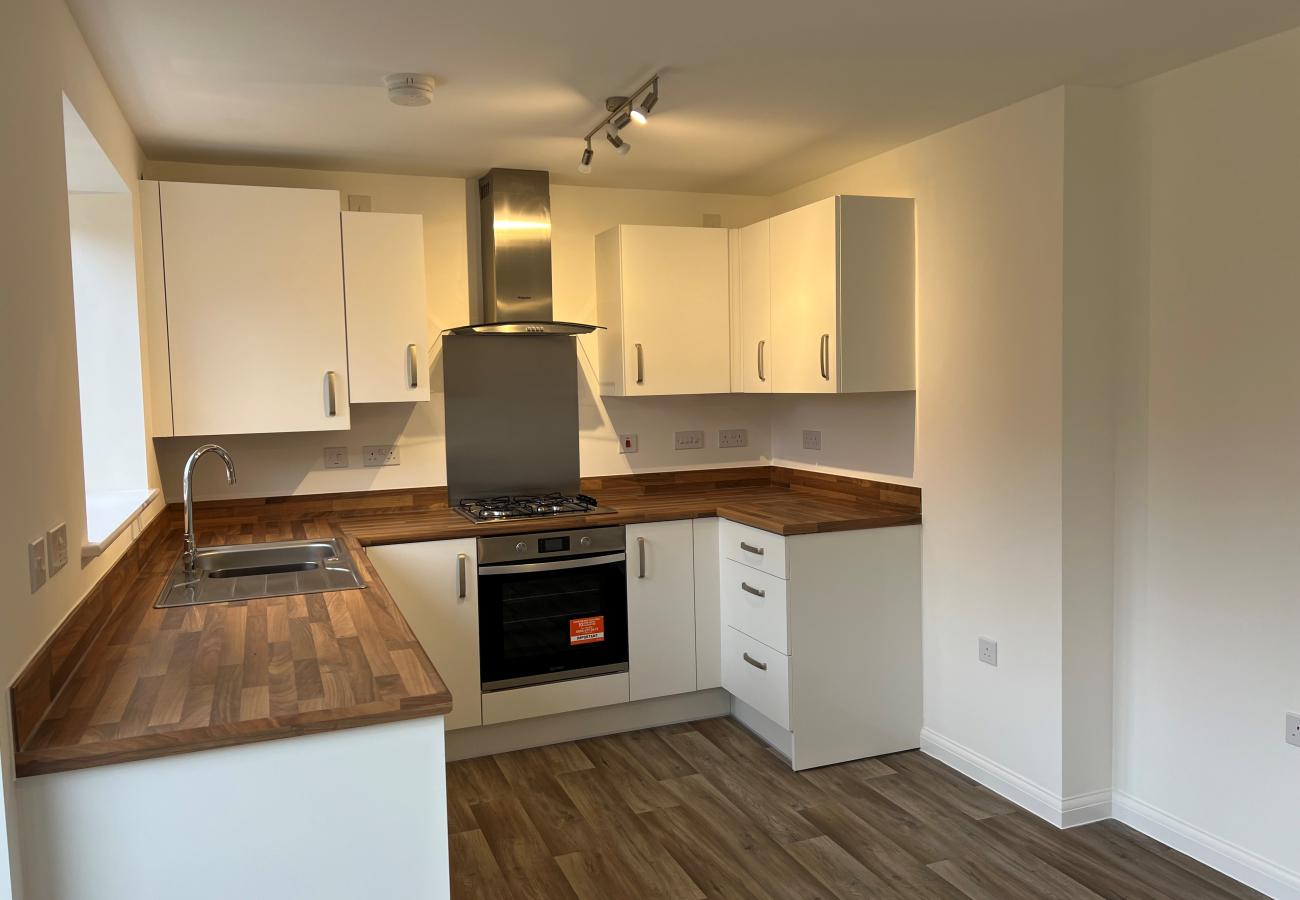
380	455
1293	729
36	563
988	651
336	457
812	440
688	440
733	437
627	443
56	548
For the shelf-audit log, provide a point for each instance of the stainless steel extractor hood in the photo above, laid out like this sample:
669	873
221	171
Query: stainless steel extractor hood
515	221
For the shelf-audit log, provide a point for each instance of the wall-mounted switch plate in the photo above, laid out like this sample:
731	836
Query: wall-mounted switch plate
688	440
733	437
627	443
988	651
812	440
36	563
336	457
380	455
56	547
1293	729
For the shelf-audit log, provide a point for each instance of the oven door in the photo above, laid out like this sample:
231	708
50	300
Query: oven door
552	620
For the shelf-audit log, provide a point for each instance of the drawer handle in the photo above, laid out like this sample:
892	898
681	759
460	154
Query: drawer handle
752	590
461	560
750	548
755	663
640	549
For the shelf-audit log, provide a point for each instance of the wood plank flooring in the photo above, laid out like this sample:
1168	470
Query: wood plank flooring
705	810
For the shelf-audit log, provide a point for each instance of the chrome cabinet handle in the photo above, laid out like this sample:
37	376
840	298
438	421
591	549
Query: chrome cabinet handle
640	549
331	404
750	548
826	357
752	590
461	561
755	663
412	366
761	375
640	365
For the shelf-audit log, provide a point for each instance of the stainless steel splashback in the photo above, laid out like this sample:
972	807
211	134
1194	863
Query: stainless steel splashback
515	217
511	413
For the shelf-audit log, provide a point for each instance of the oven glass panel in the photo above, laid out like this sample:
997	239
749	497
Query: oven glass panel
551	625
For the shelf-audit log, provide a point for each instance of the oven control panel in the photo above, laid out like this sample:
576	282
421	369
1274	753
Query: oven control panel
550	545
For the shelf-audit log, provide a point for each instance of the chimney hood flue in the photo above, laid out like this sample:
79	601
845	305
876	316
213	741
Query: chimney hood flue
515	223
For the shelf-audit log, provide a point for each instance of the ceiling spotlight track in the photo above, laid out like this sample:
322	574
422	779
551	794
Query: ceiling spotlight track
622	110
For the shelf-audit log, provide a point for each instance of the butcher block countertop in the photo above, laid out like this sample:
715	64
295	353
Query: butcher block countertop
121	680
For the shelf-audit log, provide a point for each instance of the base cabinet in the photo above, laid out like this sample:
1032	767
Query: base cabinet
661	609
435	585
821	640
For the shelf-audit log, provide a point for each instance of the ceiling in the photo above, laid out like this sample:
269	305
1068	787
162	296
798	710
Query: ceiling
757	95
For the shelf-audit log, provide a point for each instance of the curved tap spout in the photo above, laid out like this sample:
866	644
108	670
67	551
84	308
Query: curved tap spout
187	494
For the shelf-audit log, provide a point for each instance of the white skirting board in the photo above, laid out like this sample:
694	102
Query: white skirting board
1067	812
1233	861
1063	812
485	740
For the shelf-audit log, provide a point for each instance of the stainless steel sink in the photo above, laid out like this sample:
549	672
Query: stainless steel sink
249	571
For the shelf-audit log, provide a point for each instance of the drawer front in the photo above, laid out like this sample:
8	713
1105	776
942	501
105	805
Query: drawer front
753	602
743	675
753	547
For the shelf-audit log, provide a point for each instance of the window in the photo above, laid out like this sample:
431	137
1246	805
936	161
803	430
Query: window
101	225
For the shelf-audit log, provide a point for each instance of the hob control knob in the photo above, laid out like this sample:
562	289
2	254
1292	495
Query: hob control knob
521	547
585	541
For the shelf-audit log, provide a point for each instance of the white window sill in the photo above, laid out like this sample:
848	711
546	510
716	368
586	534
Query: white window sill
108	514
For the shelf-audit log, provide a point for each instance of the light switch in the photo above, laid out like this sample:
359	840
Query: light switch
36	563
56	545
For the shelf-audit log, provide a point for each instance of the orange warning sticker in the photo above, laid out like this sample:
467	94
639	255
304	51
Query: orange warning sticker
586	631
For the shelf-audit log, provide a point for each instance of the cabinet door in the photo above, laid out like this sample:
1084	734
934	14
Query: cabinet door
676	310
435	585
255	324
383	281
755	310
805	332
661	609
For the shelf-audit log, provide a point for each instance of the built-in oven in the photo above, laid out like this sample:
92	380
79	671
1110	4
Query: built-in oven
552	606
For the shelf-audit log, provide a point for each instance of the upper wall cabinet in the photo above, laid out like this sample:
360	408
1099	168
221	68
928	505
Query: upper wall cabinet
256	337
755	339
383	277
663	296
842	297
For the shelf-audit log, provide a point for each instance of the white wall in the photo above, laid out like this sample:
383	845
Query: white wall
43	56
289	464
1208	615
989	211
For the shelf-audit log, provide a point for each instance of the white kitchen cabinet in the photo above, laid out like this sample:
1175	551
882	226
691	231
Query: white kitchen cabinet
663	297
661	609
383	280
821	640
435	585
256	335
708	613
755	340
842	286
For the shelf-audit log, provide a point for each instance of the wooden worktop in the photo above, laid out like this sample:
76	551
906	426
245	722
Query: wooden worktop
123	681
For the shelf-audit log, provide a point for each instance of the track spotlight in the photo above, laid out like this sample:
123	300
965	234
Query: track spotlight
641	112
621	147
621	119
585	166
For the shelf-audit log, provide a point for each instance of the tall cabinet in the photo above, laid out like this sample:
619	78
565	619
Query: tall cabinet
839	290
663	296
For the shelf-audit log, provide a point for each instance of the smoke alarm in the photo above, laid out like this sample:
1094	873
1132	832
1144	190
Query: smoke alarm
410	88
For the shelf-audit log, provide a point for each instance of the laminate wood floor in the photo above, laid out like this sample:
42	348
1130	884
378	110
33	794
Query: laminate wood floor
706	810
